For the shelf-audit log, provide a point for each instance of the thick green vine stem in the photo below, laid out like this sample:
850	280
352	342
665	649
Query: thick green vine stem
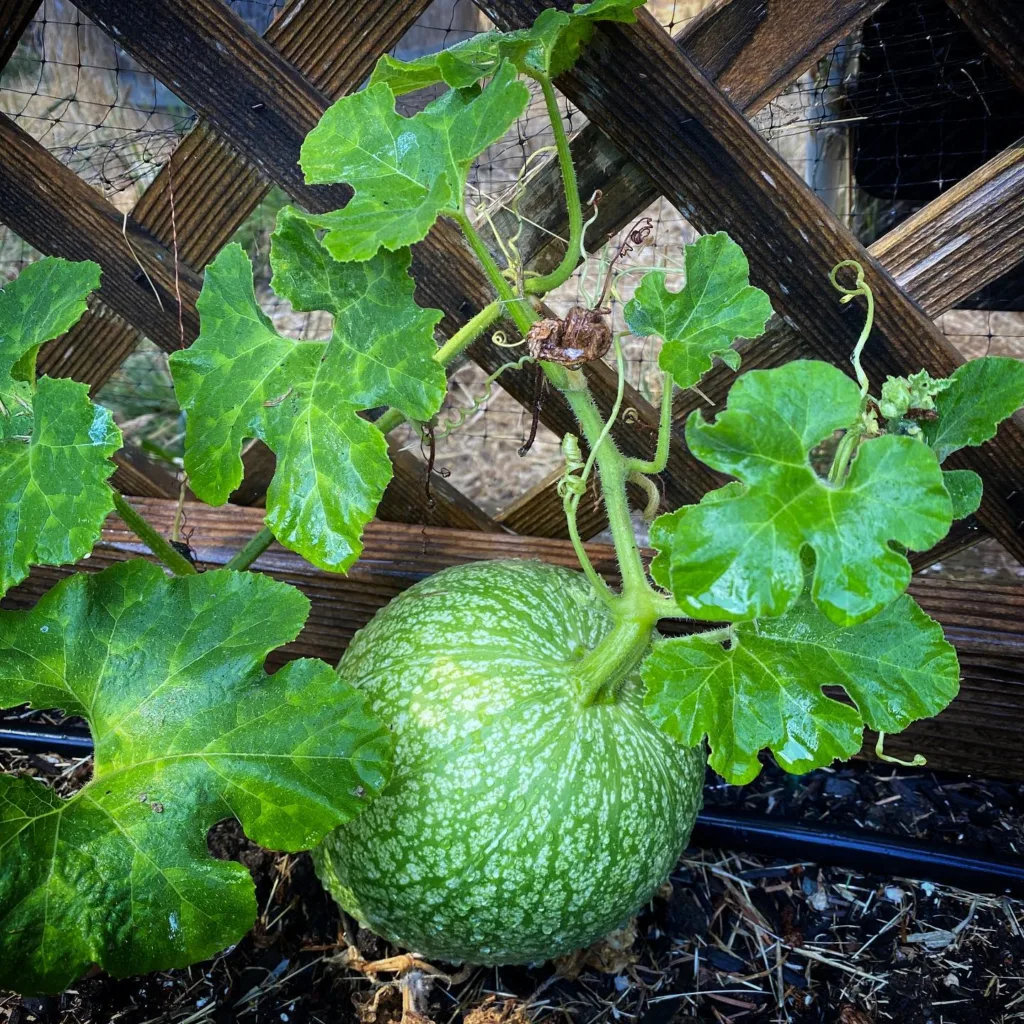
159	545
468	333
243	558
570	261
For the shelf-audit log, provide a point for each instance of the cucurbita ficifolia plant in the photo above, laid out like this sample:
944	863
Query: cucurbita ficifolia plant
508	760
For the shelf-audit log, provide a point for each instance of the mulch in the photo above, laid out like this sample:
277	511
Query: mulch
730	938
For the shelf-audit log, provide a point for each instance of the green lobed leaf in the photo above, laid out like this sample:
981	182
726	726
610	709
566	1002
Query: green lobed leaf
765	690
738	556
716	306
53	491
188	729
983	393
41	303
406	171
549	47
241	379
965	489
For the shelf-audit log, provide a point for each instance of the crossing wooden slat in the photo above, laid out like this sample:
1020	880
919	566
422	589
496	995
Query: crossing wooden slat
53	209
979	732
334	43
720	174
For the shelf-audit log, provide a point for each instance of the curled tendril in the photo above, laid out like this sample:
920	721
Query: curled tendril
919	759
861	288
500	338
463	414
572	482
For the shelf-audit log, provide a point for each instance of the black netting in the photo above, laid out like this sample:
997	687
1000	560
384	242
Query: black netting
889	119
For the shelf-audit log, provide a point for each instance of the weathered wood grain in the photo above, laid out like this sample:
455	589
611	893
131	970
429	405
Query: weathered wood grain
14	19
720	174
999	26
52	208
980	732
334	43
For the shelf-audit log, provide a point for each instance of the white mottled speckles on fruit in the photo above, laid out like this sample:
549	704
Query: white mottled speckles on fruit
519	824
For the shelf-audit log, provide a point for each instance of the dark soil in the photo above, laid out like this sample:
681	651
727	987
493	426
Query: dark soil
732	938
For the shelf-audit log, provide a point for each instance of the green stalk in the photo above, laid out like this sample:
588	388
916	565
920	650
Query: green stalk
600	674
173	559
468	333
253	549
660	460
573	254
519	309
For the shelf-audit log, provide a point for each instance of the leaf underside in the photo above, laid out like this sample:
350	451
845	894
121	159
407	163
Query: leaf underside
766	689
737	555
188	730
716	306
241	379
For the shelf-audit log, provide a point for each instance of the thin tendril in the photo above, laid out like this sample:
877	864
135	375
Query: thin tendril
862	288
463	413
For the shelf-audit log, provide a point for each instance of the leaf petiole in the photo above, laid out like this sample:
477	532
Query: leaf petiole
573	252
255	547
155	541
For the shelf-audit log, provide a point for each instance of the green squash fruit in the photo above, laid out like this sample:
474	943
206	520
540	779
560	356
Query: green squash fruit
519	824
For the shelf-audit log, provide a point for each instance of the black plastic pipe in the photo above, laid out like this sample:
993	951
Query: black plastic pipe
867	852
41	739
767	837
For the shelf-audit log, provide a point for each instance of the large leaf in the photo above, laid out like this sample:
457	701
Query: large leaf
983	393
53	491
739	557
241	379
701	321
188	730
42	302
765	690
406	171
549	47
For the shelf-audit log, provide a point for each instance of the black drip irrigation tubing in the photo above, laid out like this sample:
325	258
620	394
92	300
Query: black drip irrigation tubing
888	856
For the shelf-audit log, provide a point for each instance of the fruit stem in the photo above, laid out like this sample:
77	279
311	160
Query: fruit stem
600	674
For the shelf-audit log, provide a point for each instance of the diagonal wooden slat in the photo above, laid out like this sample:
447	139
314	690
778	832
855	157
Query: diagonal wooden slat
720	174
999	26
14	19
334	43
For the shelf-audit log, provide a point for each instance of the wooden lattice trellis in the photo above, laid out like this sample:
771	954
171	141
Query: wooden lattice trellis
668	117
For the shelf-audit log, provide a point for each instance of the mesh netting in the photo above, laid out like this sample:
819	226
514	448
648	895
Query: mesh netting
887	121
